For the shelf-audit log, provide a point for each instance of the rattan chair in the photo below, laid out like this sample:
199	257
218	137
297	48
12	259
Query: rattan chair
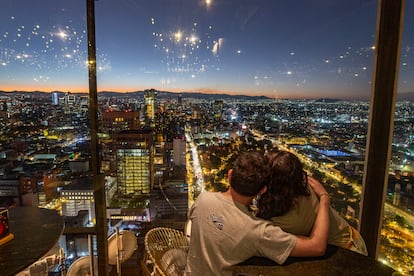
165	252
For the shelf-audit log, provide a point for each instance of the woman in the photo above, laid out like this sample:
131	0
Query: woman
289	203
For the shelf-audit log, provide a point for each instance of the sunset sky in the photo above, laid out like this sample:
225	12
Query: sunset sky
284	49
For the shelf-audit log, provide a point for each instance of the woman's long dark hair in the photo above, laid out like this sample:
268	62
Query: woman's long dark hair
288	182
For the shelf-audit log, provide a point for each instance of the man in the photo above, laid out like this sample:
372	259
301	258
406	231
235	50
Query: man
224	232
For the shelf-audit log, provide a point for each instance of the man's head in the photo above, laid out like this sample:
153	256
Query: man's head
250	173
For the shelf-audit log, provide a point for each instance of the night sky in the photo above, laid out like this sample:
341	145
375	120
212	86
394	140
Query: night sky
277	48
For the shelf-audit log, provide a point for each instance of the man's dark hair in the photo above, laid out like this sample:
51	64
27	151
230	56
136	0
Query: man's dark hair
250	173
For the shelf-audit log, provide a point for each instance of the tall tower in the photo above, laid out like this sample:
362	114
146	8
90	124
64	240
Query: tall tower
135	161
112	123
218	110
179	148
55	98
150	96
180	99
116	121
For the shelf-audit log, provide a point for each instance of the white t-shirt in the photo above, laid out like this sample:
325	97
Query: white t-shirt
224	233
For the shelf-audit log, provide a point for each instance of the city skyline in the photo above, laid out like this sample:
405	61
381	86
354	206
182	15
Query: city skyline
47	144
321	49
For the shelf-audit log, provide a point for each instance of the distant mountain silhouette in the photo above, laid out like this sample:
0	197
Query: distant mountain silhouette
172	95
138	94
406	96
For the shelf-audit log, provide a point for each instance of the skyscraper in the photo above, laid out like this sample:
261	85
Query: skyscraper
115	121
150	106
218	109
135	161
180	99
55	98
112	123
179	149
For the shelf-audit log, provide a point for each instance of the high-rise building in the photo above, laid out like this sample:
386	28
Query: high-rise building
112	123
116	121
70	99
61	100
218	109
76	197
180	99
84	103
150	96
55	98
179	148
135	161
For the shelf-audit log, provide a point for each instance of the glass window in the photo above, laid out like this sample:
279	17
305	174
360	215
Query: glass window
184	86
398	224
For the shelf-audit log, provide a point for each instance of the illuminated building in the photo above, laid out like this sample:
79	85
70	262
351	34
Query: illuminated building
218	109
61	100
115	121
112	123
84	103
70	99
180	100
78	197
150	106
55	98
159	153
135	161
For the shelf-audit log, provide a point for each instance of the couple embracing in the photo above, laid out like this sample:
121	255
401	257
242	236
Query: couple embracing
293	217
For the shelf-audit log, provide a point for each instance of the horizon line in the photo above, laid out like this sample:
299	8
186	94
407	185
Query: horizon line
217	93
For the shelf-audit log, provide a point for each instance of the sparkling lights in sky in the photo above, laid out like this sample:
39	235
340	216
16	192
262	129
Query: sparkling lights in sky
188	51
198	49
45	50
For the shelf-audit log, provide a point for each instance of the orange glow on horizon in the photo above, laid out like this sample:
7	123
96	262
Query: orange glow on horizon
285	94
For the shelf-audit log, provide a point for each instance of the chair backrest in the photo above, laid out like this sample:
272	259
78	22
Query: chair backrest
167	249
